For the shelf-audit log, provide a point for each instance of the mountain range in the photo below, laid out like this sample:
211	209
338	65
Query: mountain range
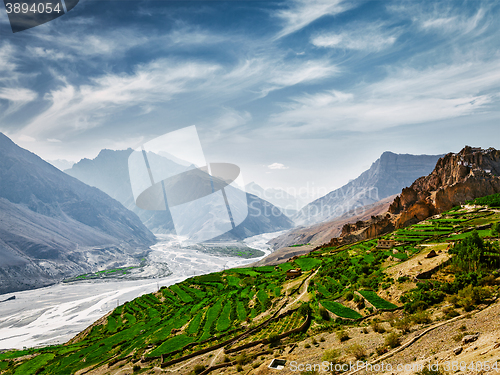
288	203
109	172
456	179
53	225
386	176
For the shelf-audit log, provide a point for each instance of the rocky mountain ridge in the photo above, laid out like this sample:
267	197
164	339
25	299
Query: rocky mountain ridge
53	226
386	176
457	178
109	173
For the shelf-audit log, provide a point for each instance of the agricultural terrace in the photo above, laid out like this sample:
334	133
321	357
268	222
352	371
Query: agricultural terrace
240	306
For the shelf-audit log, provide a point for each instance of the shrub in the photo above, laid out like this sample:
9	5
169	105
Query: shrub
471	296
307	345
377	327
242	359
392	340
136	368
314	342
331	356
239	368
403	279
349	296
273	339
198	369
421	317
325	315
304	309
381	350
357	351
342	335
458	336
403	324
450	312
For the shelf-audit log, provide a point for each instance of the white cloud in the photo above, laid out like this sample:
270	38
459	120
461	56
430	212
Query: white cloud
369	37
277	166
406	96
309	71
453	23
78	108
17	98
302	12
25	138
83	42
81	107
17	94
446	18
7	52
47	53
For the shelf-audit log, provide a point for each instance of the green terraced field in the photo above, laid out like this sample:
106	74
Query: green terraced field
377	301
217	304
340	310
307	264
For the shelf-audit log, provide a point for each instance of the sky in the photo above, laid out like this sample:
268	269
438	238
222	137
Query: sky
300	94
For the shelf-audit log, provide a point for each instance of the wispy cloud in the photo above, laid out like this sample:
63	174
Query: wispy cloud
81	107
406	96
303	12
368	37
277	166
17	95
457	23
7	52
447	18
76	108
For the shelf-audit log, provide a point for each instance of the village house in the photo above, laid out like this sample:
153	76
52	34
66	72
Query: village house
292	274
385	244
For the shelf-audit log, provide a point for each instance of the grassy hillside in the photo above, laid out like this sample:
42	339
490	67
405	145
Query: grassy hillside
254	314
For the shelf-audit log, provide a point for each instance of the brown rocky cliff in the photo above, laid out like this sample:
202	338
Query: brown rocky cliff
457	178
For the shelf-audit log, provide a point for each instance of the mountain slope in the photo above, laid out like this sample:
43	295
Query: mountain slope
109	172
288	203
470	174
411	304
457	178
53	225
386	176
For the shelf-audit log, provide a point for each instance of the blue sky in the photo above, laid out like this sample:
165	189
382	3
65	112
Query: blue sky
298	93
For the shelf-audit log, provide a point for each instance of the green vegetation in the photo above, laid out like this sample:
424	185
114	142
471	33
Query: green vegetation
377	301
206	310
172	344
490	200
307	264
340	310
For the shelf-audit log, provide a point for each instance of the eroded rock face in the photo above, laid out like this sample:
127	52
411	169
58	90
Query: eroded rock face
457	178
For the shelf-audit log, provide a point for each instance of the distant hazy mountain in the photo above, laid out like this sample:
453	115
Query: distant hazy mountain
387	176
109	172
52	225
61	164
288	203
